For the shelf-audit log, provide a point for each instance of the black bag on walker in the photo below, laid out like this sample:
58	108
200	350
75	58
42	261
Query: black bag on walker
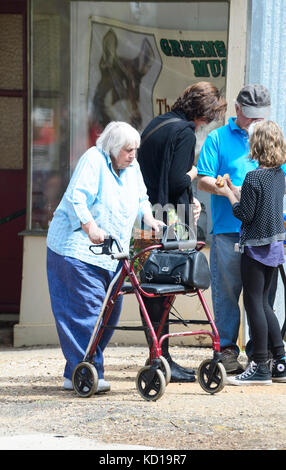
189	268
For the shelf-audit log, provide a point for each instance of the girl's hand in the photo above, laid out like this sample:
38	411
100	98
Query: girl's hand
230	191
225	190
236	190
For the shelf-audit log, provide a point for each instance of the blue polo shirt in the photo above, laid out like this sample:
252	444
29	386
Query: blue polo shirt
225	150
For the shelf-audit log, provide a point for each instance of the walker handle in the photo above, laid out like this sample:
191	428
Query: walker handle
107	248
120	255
179	245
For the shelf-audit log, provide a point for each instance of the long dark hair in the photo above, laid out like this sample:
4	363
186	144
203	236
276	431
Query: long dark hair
201	101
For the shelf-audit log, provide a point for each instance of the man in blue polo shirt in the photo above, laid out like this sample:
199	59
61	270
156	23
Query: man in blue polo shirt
225	150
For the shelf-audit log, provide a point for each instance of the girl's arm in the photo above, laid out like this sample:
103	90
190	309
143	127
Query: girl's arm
233	195
244	202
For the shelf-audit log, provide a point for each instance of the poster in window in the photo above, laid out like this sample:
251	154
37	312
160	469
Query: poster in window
135	73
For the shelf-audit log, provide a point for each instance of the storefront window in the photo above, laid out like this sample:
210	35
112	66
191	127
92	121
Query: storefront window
94	62
50	107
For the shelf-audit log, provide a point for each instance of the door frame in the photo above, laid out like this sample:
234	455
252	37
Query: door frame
20	7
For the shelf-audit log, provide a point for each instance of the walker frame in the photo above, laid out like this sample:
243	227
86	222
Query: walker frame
152	379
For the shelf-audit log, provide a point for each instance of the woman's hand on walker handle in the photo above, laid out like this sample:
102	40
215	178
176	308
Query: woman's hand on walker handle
95	234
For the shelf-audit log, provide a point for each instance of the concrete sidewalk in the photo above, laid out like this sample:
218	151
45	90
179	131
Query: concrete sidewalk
37	413
54	442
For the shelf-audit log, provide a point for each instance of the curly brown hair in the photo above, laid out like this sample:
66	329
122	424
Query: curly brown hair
267	144
201	101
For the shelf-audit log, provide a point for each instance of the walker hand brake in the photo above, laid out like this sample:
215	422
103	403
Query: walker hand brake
106	247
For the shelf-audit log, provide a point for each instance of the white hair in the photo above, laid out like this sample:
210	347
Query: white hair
117	134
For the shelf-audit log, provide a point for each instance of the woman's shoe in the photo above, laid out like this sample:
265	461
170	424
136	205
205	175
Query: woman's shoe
175	364
179	373
68	384
103	385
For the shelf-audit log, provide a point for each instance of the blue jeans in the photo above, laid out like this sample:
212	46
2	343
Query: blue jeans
226	287
77	291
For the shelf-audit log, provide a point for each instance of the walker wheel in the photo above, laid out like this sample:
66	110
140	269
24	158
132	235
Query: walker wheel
150	383
85	379
212	381
165	368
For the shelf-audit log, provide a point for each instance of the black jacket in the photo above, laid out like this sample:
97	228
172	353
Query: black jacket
261	207
165	158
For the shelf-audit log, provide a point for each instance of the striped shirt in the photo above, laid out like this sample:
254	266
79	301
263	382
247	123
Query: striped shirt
96	192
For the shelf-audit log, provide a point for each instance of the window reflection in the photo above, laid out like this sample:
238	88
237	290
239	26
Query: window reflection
99	61
50	108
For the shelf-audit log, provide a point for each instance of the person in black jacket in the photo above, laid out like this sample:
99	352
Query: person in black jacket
260	208
166	158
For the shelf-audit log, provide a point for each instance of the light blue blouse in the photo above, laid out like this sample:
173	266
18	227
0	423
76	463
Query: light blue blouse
96	192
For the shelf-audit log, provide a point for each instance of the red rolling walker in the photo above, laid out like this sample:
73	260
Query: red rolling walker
151	379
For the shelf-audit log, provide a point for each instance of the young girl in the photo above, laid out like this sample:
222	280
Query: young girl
260	209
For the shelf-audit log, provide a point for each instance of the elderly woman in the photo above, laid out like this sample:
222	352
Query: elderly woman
105	195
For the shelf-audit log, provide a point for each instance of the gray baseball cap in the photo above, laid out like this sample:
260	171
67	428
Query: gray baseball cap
255	101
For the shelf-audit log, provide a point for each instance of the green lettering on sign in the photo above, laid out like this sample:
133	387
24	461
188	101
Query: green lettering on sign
198	49
164	43
214	67
201	68
223	64
207	68
220	48
209	48
176	48
187	48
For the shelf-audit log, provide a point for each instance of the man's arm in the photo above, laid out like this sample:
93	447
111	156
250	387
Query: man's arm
208	184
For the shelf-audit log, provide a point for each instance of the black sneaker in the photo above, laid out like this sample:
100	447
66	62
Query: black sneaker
278	370
229	360
255	374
